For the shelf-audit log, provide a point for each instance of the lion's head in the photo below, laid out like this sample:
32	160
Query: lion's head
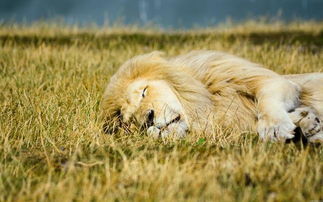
151	94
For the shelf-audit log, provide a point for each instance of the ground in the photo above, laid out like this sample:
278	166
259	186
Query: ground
52	148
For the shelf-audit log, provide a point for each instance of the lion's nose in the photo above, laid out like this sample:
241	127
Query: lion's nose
150	118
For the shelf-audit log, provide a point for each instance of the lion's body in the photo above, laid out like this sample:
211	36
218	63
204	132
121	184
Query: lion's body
233	83
209	88
312	89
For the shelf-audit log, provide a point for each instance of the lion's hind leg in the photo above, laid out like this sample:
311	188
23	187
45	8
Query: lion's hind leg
307	119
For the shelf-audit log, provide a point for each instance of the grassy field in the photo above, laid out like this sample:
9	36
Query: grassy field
52	148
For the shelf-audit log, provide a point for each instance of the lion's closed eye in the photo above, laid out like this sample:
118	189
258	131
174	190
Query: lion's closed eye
144	92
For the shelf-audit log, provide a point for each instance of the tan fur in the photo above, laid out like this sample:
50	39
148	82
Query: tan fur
214	88
312	90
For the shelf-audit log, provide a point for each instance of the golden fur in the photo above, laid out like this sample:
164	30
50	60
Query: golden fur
212	88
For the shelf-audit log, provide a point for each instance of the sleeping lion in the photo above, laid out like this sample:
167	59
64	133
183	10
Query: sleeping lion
202	90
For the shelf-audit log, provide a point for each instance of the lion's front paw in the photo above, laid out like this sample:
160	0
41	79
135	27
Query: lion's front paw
275	130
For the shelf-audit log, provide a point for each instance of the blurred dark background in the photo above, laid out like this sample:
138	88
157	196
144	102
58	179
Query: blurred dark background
163	13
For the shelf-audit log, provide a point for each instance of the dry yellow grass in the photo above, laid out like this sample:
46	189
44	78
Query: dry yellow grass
52	149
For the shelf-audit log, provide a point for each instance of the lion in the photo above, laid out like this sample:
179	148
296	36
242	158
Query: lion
201	90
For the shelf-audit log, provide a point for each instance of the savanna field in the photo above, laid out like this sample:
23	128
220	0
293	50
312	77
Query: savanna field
52	147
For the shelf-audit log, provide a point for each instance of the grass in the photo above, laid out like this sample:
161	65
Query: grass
52	148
